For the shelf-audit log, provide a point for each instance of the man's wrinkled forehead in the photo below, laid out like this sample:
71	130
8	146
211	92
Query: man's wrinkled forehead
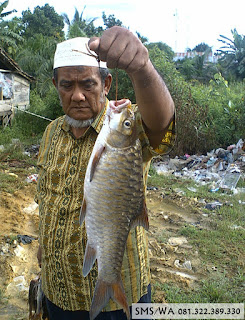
78	71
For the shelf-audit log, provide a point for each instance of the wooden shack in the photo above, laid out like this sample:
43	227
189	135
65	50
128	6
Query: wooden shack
14	88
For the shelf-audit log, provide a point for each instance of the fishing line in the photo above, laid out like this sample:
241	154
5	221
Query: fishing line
116	86
33	114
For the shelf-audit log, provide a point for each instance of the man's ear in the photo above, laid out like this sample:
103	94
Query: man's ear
108	81
54	83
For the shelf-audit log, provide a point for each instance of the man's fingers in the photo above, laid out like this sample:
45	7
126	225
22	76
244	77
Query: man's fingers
94	44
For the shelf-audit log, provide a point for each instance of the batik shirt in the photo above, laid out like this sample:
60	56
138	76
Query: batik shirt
62	165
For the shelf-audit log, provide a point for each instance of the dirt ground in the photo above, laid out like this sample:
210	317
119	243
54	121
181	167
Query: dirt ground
172	257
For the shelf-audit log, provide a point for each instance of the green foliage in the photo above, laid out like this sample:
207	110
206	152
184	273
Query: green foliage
163	47
36	58
226	109
202	47
111	21
44	20
197	68
190	118
48	107
125	87
142	38
80	27
233	55
3	6
216	289
210	112
9	36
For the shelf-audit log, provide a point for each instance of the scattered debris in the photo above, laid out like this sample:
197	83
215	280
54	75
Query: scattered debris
25	239
177	241
213	205
18	284
220	168
184	265
31	209
32	178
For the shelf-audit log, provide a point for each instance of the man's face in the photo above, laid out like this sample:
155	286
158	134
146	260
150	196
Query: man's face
81	91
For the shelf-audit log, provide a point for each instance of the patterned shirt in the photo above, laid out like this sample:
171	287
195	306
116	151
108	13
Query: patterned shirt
62	165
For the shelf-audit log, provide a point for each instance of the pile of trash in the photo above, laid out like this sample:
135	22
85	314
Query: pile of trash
220	168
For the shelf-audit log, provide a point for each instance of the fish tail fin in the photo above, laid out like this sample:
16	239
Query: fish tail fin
102	294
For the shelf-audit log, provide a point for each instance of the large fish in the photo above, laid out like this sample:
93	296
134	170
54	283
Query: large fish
114	202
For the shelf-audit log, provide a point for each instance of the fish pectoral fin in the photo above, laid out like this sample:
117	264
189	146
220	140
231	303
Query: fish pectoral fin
103	292
142	219
82	212
96	160
89	259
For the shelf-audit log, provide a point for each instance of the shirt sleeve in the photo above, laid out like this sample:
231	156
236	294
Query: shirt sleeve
164	147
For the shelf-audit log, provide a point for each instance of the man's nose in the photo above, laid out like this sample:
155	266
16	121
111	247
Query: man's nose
78	95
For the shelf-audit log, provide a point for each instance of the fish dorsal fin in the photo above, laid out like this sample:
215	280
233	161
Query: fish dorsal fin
82	212
142	219
95	161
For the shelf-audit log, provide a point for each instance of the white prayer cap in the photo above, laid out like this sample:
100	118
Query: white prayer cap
74	52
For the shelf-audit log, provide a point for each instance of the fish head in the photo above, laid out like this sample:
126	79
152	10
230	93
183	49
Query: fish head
122	130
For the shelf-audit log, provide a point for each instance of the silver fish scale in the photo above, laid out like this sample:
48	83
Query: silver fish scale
114	199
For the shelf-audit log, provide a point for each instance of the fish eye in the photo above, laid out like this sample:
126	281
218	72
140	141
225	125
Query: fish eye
127	124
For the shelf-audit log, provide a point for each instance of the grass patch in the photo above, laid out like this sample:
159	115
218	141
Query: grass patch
221	243
15	132
217	289
15	166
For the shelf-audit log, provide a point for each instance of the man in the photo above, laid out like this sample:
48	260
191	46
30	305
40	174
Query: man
83	83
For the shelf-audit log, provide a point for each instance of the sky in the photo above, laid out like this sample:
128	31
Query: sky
181	24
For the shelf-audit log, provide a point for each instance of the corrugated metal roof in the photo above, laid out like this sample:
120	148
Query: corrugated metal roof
9	64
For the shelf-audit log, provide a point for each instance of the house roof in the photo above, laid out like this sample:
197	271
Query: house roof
8	63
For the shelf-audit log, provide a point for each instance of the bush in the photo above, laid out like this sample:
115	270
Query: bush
49	107
192	131
226	109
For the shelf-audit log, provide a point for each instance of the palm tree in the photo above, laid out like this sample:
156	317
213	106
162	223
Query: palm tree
2	7
80	27
36	58
8	36
233	55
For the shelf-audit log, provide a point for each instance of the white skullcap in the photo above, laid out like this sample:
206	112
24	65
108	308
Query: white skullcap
74	52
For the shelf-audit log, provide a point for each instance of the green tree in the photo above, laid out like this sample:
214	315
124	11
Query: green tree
111	21
44	20
163	47
233	55
197	66
9	36
3	6
226	109
80	27
142	38
202	47
36	58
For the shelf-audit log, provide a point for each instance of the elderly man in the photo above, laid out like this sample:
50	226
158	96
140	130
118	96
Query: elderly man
83	83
